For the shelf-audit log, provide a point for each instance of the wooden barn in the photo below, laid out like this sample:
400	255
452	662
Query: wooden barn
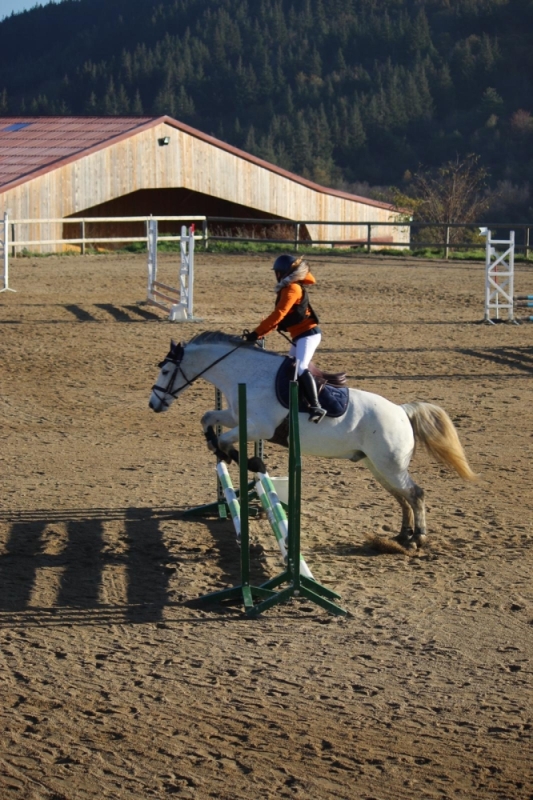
53	168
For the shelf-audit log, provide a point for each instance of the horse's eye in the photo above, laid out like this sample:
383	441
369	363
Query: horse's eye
166	371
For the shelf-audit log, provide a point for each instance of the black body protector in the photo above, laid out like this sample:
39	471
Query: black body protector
297	313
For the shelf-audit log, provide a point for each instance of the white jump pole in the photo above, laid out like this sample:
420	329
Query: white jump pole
5	245
151	244
230	495
281	540
271	505
182	311
277	517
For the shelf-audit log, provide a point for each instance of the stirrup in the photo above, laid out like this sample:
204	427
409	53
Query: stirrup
317	414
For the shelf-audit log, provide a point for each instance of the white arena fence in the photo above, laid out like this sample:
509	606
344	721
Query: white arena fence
176	301
23	243
47	235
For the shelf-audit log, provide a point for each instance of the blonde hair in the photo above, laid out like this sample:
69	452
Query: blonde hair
300	269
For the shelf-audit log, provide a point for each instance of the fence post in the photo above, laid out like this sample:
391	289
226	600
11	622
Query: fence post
13	249
447	239
296	234
5	255
205	234
369	237
527	242
83	237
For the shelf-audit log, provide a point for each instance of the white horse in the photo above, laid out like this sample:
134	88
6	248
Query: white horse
373	430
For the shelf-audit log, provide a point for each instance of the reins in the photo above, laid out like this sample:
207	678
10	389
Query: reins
285	337
179	368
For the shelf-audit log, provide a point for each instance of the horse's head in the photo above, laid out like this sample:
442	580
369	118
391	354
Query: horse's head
199	355
170	381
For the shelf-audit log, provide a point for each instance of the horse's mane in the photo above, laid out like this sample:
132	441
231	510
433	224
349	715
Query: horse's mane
219	337
215	337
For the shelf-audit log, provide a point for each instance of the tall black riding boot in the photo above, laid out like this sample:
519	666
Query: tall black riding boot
307	382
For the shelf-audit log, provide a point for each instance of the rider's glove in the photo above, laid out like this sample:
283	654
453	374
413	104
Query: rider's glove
250	336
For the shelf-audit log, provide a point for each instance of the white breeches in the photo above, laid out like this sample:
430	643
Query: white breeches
303	350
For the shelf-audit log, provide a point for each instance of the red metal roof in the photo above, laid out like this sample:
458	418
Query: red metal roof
32	146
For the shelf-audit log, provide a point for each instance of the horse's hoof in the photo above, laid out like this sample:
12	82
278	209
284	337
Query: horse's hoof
233	455
404	538
256	464
420	539
211	439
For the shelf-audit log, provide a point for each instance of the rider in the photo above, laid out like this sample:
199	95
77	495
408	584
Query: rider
293	314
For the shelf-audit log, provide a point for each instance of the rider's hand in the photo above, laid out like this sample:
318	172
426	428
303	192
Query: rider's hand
250	336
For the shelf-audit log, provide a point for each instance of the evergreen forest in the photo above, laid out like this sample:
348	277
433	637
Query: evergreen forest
353	94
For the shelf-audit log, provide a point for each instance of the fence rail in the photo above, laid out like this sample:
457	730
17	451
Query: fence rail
369	241
210	232
16	243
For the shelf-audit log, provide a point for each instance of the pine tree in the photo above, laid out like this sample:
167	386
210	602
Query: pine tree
110	99
137	106
123	101
250	145
357	135
419	35
491	103
90	105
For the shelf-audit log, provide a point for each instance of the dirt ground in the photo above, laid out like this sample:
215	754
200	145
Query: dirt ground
112	686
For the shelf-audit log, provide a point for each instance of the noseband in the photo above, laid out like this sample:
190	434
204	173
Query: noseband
175	357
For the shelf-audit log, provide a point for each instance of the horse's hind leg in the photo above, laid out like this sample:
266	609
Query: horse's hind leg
413	529
410	496
419	509
408	518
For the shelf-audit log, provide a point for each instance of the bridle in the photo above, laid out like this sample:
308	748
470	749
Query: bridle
175	357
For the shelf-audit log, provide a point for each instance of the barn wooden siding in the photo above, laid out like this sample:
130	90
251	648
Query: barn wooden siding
138	162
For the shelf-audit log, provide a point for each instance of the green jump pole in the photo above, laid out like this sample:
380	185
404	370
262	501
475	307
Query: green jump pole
299	585
257	599
244	591
243	484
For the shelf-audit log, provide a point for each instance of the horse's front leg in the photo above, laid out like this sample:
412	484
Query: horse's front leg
256	431
223	417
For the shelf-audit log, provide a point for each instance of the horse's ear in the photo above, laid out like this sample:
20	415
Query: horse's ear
173	345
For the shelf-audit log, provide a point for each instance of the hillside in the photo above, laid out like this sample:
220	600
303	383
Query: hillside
340	91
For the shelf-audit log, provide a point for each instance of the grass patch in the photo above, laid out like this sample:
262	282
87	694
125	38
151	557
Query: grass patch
238	248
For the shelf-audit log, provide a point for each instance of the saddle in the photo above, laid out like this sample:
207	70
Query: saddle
331	387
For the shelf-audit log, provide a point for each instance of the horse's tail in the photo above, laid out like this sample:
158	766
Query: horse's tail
433	427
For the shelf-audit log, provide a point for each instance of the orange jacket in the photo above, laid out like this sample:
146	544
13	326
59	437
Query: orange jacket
289	296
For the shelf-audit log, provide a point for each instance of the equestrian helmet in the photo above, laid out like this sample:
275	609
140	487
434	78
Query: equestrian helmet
283	265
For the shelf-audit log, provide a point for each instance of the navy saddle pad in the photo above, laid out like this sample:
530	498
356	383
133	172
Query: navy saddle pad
334	399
